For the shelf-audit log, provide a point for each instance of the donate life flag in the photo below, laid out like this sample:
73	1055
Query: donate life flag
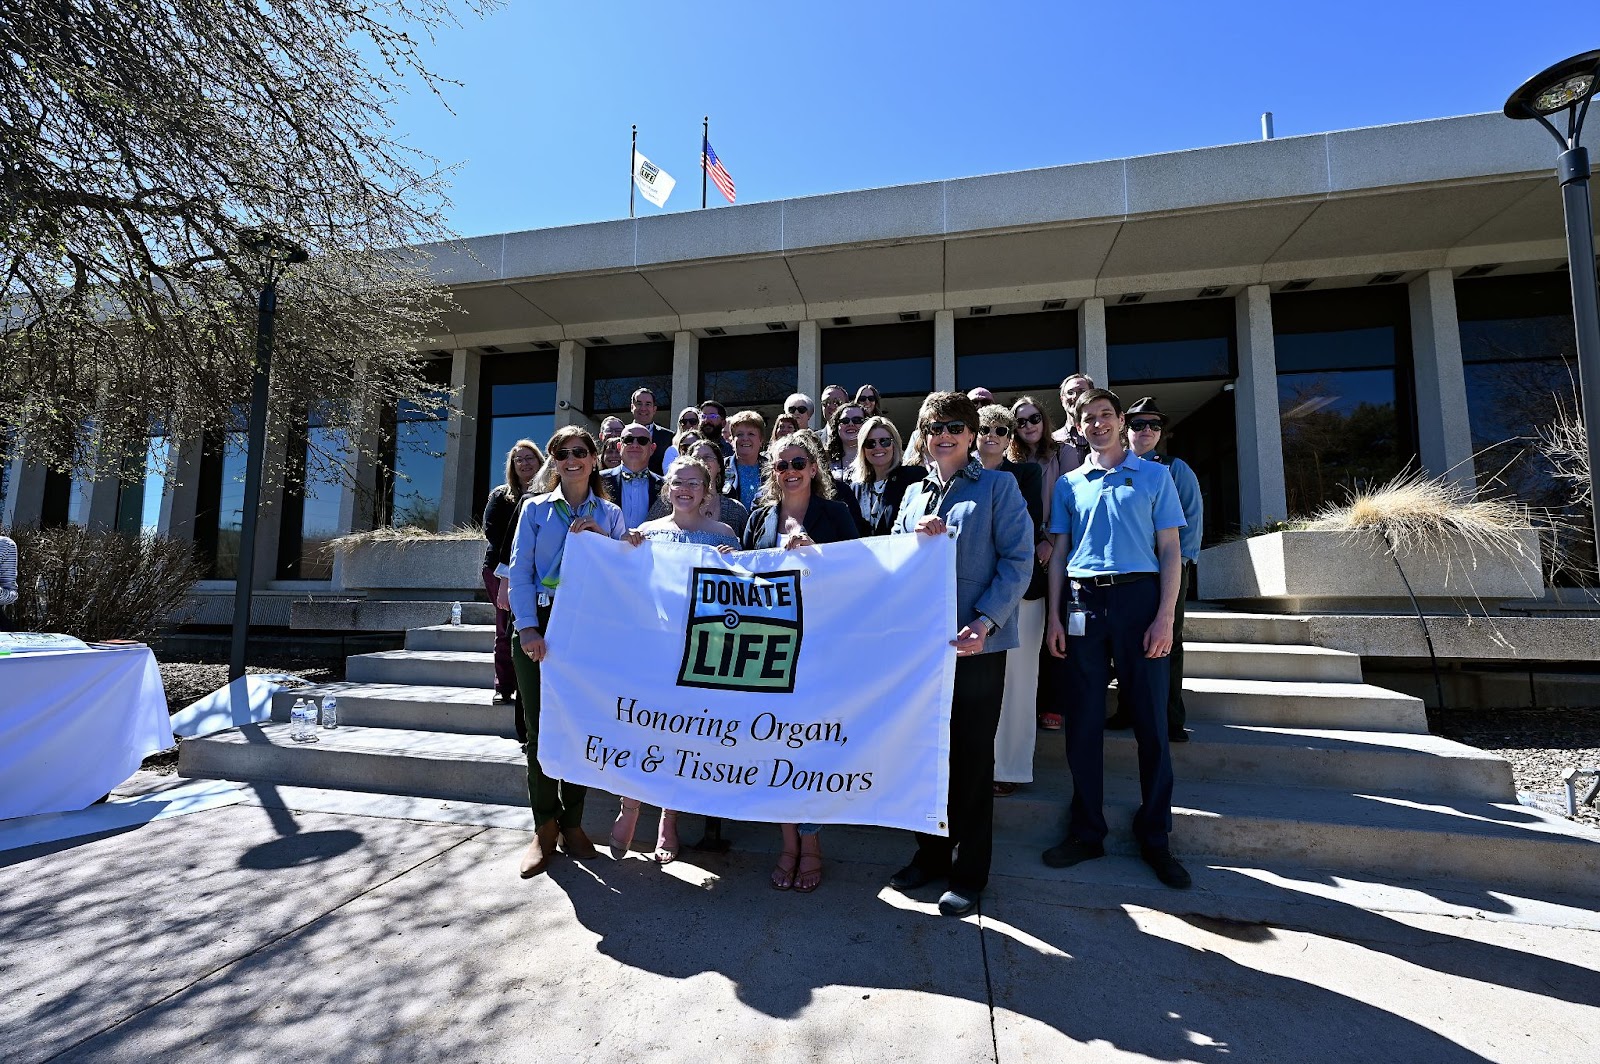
803	686
654	183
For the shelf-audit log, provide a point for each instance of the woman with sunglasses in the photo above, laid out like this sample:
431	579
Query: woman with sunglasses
844	436
688	422
568	498
522	465
718	505
799	512
1014	739
878	479
1034	442
993	558
869	401
684	498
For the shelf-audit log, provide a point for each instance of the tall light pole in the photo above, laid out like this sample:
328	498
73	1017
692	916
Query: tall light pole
275	253
1569	86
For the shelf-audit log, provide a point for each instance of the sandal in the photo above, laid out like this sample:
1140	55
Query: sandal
622	830
783	874
808	877
667	838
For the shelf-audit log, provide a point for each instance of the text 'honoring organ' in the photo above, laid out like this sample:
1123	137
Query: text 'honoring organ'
696	764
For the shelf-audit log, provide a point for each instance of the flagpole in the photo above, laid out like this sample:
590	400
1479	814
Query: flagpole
705	138
633	162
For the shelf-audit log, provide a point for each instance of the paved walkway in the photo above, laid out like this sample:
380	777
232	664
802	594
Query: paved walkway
293	926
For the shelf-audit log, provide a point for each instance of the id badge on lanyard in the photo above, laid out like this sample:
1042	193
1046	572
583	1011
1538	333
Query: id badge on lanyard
1077	616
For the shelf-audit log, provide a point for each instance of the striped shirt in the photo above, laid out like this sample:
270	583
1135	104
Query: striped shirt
8	570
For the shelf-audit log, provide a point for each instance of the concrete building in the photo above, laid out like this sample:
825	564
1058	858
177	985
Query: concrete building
1311	312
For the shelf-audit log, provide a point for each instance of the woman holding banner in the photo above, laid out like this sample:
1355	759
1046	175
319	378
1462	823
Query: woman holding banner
801	514
685	492
569	498
994	558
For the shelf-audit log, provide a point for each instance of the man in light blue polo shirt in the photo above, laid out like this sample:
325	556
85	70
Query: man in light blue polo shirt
1113	592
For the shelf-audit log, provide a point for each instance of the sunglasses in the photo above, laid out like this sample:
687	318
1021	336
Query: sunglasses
1031	419
939	428
883	443
688	421
1144	425
795	464
797	410
632	439
867	399
563	453
998	430
852	421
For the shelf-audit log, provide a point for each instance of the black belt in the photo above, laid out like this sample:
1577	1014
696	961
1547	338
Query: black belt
1112	578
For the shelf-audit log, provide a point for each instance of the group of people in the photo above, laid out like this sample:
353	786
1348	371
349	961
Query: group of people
1074	547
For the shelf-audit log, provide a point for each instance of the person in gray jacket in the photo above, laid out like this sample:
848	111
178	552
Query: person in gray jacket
994	561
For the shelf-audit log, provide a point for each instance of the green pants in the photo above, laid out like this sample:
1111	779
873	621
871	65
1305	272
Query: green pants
549	799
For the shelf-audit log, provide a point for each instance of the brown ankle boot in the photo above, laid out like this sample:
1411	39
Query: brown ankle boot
536	858
575	844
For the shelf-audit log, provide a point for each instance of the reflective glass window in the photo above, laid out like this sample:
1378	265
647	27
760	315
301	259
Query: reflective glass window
613	373
1014	355
518	403
1185	340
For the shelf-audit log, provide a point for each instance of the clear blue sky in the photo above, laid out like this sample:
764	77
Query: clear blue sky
826	96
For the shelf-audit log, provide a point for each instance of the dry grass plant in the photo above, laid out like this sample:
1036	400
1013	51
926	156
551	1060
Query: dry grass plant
1417	513
405	536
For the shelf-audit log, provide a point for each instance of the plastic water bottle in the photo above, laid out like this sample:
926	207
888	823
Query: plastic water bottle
330	712
455	615
297	721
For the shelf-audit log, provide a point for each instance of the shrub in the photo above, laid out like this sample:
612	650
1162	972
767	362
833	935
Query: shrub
99	585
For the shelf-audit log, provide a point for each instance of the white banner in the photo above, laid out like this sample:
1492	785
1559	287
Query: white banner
655	184
804	686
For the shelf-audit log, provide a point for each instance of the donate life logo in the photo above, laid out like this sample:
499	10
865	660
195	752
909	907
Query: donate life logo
743	632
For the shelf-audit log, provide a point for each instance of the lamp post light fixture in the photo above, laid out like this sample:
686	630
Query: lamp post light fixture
1569	86
275	253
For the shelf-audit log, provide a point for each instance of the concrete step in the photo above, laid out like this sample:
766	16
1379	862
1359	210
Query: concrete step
1371	761
457	710
1205	623
477	638
1351	831
1269	661
445	668
1300	704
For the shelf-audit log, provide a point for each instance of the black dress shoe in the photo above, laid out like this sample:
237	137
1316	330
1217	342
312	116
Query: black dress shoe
1177	735
911	877
1167	868
1070	851
958	902
1119	721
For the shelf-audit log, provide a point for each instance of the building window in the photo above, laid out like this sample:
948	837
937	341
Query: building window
611	374
413	467
1344	391
517	401
314	476
1018	354
139	496
219	497
896	359
750	372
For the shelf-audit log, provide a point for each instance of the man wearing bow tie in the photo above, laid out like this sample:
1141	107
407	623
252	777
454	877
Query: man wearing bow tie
633	484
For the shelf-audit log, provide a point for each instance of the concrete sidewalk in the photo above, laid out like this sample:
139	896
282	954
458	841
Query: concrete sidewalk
315	925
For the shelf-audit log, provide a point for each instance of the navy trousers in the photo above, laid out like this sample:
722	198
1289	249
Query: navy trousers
1114	632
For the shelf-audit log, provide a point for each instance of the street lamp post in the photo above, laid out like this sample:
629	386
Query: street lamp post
275	253
1569	86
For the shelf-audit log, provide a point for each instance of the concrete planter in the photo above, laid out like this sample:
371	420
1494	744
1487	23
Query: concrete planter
1338	572
412	568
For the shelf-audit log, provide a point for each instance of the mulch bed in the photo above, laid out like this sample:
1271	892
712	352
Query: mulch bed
1539	743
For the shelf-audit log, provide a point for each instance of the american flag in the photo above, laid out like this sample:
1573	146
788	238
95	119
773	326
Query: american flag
718	172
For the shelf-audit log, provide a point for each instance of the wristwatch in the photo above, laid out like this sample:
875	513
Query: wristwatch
992	627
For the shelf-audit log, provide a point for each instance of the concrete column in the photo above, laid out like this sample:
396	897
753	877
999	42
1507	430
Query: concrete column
944	350
1444	434
571	364
461	441
24	502
1092	341
1262	495
101	509
182	489
808	370
685	375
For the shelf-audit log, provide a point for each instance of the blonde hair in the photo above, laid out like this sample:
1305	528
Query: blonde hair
513	482
861	471
685	461
745	417
806	440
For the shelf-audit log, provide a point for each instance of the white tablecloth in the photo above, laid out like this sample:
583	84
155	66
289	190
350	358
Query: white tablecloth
76	723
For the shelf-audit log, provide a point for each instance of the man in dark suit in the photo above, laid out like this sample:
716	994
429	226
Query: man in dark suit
633	485
643	405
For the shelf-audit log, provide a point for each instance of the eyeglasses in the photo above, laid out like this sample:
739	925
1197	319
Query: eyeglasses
883	443
1031	419
852	420
998	430
686	483
519	459
795	464
634	439
939	428
561	454
797	410
710	415
1144	425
